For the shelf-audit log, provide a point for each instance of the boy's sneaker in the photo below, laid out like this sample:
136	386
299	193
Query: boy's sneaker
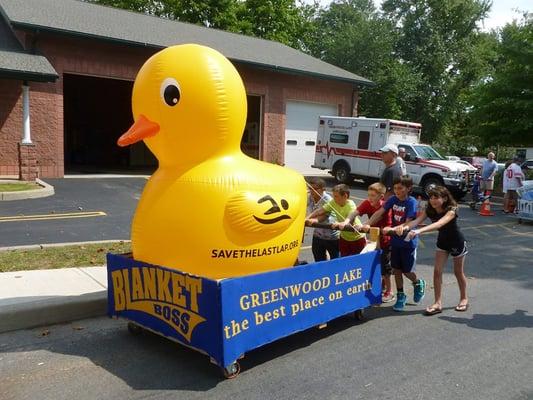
400	302
387	297
420	290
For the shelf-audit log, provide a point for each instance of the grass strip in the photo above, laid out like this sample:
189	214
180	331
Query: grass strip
68	256
18	186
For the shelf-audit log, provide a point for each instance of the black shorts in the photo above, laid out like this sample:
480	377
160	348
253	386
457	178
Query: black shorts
455	250
386	268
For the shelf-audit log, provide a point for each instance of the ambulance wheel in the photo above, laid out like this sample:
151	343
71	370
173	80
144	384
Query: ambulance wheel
341	172
231	371
359	315
134	329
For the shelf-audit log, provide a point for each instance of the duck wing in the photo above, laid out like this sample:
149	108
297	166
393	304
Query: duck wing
260	213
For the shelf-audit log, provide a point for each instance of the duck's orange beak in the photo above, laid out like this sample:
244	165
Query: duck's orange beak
141	129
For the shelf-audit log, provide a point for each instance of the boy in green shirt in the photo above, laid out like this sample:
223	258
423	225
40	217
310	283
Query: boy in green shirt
340	207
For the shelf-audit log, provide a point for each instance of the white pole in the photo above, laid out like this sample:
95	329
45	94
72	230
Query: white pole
26	113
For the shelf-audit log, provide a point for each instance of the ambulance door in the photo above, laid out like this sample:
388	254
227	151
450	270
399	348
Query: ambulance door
362	146
414	169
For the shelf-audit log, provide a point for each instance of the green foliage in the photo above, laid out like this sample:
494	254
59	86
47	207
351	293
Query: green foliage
503	104
285	21
438	41
352	35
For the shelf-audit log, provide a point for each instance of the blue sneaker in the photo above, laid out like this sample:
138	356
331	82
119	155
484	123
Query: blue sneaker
401	299
420	291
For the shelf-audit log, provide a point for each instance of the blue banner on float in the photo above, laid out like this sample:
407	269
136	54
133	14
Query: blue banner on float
229	317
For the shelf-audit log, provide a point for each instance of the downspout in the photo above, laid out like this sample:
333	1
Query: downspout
26	139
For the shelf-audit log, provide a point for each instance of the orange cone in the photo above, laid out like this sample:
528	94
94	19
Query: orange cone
485	209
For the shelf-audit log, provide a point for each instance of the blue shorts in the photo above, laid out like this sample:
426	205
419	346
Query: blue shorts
403	258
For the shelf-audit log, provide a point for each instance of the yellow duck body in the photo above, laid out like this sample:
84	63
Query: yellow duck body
209	209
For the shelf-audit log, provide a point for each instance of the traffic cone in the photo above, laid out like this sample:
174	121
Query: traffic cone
485	209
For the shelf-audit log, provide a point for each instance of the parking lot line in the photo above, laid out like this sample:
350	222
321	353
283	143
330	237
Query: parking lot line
44	217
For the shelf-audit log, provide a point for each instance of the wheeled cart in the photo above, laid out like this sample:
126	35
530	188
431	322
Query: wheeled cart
226	318
524	210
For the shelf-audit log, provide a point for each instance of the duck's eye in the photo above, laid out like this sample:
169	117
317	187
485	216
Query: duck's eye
170	92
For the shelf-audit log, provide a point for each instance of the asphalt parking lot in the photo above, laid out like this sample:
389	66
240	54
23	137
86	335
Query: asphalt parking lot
484	353
81	210
102	209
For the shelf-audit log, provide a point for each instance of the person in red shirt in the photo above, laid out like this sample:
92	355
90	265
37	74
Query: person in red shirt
375	201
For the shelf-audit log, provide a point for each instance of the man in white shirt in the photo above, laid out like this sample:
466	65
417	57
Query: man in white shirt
512	180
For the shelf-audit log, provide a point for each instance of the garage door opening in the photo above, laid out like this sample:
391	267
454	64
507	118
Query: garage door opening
97	111
300	134
251	138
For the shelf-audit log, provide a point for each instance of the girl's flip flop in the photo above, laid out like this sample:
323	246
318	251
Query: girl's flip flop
461	307
432	311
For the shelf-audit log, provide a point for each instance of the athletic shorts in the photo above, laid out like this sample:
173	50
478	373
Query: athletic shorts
486	184
350	248
403	258
455	250
386	269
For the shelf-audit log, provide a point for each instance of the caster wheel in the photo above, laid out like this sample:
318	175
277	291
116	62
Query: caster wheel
232	370
472	206
134	329
359	315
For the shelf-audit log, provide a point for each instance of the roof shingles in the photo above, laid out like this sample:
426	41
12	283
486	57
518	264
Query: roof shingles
81	18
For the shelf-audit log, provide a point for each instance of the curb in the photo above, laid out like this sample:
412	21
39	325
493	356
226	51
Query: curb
47	190
52	311
64	244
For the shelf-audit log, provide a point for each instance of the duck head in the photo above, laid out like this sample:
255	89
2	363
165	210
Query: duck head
189	104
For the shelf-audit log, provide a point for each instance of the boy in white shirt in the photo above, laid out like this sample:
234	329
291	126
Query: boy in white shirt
512	180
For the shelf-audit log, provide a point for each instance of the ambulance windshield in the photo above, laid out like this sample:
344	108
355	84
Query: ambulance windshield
428	153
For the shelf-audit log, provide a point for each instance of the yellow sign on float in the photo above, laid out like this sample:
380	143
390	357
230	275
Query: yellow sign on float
209	209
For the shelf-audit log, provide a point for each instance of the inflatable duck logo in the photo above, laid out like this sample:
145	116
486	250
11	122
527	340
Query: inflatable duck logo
209	209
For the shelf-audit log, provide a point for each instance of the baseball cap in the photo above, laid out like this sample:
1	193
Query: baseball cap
389	147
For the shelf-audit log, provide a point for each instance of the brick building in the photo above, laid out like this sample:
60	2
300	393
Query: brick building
67	69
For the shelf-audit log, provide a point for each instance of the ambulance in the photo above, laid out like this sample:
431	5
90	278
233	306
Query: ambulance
348	148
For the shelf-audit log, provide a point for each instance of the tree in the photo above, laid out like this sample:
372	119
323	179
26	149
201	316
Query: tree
285	21
502	111
437	41
352	35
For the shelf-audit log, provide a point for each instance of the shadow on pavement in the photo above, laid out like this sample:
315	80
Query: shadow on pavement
495	322
150	362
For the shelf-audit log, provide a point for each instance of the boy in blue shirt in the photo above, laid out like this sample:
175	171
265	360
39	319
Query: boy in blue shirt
403	250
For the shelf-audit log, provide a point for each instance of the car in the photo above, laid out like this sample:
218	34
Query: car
469	166
528	164
475	161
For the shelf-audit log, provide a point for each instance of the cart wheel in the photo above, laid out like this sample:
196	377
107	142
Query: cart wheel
135	329
472	206
359	315
232	370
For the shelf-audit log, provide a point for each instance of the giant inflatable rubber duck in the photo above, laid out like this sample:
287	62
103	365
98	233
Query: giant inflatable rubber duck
209	209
